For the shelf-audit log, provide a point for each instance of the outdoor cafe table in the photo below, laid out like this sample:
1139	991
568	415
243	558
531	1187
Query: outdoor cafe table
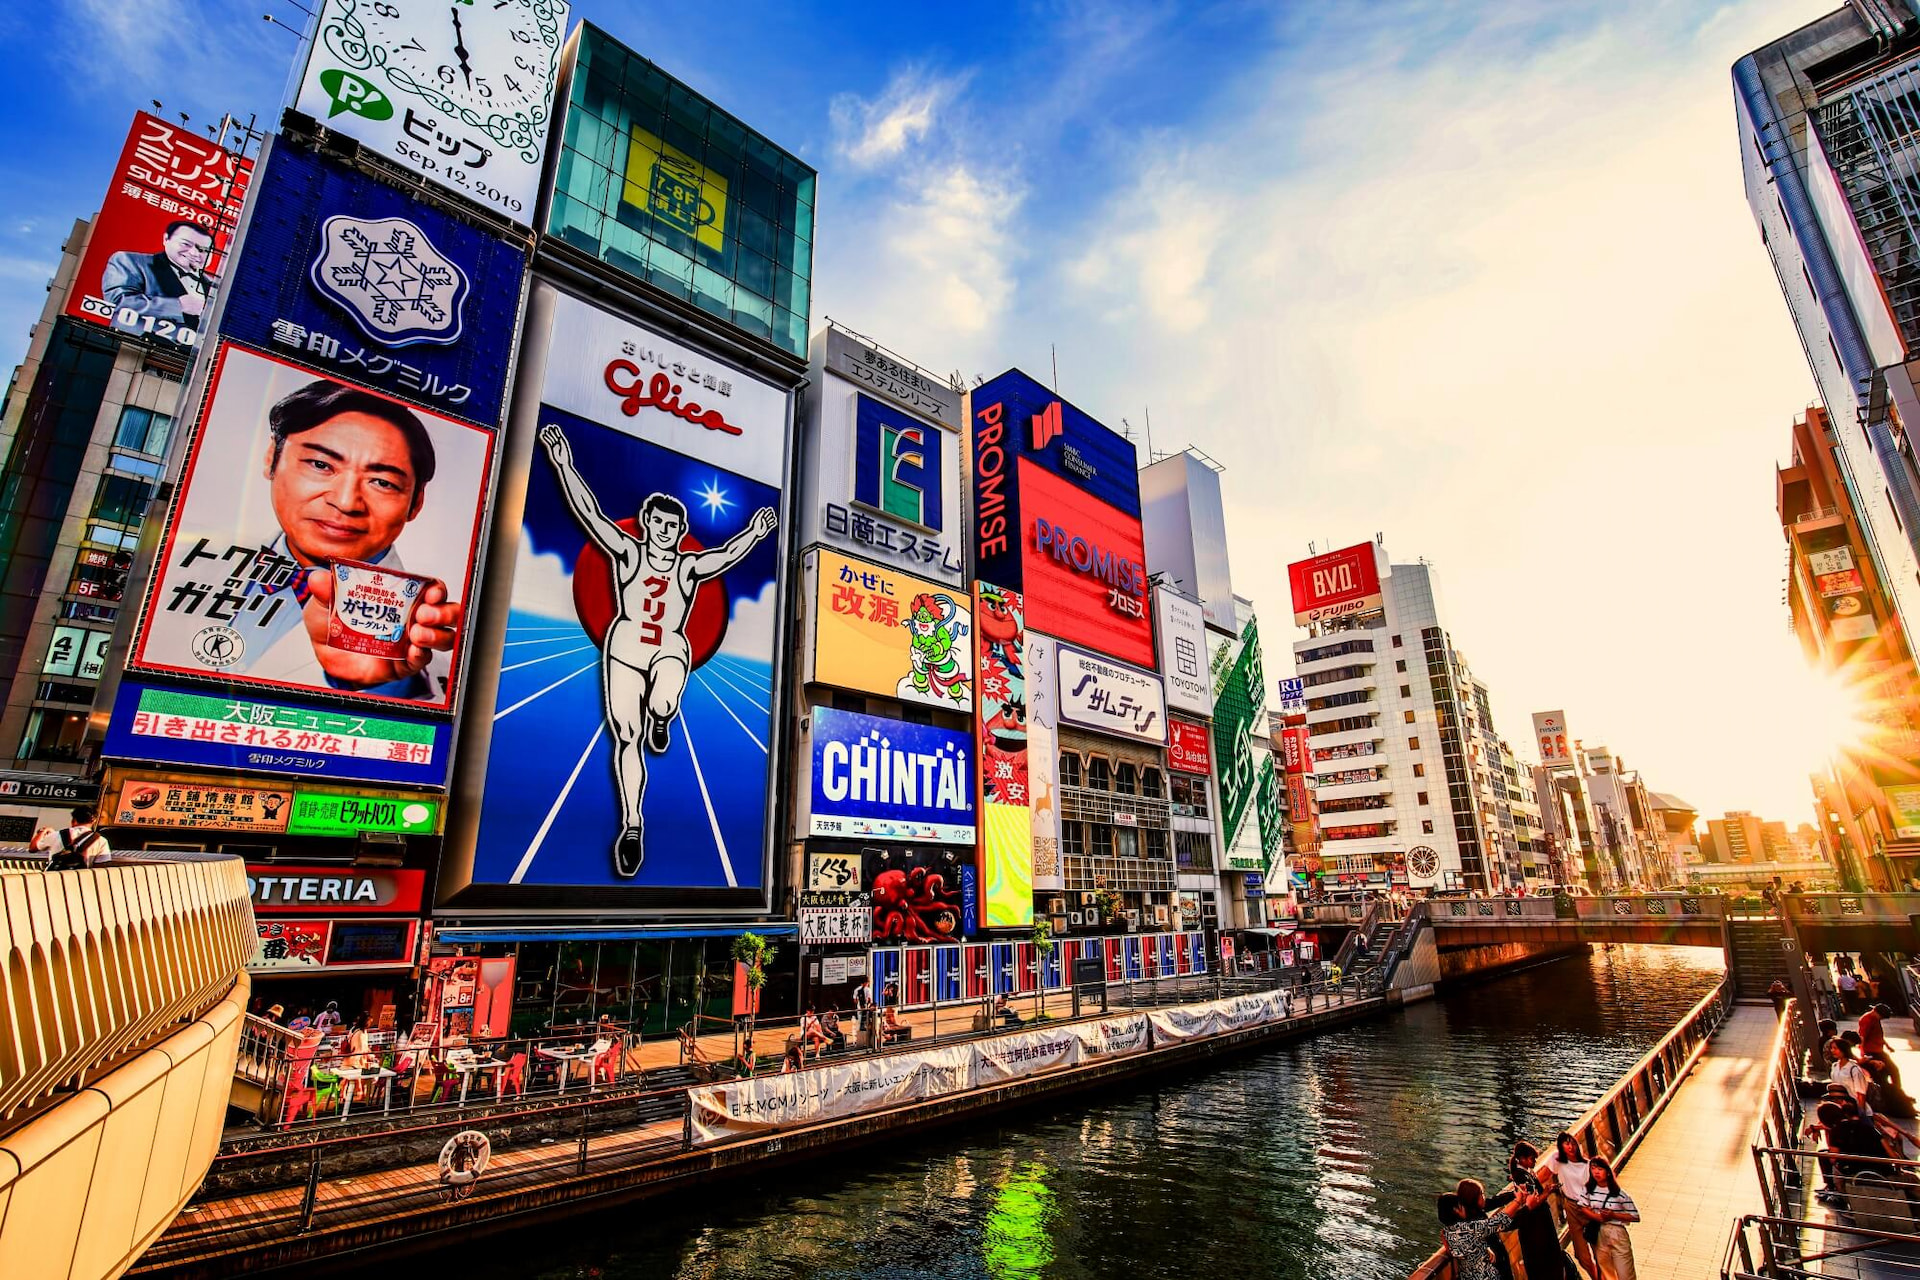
466	1068
348	1075
567	1057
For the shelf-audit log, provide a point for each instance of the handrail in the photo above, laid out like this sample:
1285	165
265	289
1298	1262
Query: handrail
1742	1261
1615	1124
102	961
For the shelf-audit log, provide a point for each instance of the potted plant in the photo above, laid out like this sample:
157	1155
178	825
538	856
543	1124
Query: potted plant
752	952
1043	945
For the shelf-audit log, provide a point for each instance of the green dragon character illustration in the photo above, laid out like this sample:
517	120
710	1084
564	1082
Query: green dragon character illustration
936	664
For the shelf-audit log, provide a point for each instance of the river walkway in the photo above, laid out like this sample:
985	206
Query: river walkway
1693	1173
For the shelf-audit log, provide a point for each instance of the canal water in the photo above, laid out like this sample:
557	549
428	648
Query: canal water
1315	1160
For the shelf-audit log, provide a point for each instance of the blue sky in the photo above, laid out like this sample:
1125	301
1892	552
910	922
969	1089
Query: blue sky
1478	277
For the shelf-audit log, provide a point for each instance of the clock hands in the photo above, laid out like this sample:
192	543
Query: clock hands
460	47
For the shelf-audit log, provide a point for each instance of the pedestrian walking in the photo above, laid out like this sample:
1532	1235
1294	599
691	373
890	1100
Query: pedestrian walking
1567	1170
73	848
1534	1228
1612	1209
1880	1063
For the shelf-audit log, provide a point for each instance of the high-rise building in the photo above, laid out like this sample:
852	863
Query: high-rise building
1851	632
1404	746
1826	154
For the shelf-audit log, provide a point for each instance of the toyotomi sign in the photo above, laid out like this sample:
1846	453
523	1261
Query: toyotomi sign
1111	697
1183	653
1335	585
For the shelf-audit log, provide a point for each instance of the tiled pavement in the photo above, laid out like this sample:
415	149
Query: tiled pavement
1694	1174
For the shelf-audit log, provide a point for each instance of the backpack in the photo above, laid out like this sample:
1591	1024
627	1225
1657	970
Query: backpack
73	854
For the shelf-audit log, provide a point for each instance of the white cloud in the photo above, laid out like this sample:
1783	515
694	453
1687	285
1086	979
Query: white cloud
751	627
543	585
870	132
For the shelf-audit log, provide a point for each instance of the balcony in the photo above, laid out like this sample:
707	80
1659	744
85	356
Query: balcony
123	1012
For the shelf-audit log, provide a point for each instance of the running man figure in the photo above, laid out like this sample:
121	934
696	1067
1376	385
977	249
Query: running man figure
645	658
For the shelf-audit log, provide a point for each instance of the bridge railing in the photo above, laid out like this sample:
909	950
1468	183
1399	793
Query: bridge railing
1615	1125
102	961
1634	908
1765	1247
1890	908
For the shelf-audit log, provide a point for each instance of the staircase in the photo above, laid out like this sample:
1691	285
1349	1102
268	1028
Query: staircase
1758	958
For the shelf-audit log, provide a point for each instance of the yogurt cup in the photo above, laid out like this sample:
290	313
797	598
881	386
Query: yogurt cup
372	608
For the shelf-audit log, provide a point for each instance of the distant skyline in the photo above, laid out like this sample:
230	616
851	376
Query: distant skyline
1481	279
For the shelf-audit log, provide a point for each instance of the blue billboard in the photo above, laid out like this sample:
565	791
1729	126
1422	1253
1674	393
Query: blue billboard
362	281
889	780
255	735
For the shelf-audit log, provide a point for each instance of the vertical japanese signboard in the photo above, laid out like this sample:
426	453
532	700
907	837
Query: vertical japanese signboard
1238	698
156	250
1006	843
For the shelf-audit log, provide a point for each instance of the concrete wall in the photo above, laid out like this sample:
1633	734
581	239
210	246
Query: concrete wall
88	1184
1486	959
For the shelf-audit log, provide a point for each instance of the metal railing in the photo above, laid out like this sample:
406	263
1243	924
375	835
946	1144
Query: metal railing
101	962
1764	1247
1615	1125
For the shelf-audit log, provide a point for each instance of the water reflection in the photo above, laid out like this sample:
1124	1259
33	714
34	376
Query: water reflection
1315	1160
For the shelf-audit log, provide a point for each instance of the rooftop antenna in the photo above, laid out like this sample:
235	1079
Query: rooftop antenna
1148	410
273	21
1053	353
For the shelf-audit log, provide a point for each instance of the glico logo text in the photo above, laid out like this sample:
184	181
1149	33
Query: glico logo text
1126	578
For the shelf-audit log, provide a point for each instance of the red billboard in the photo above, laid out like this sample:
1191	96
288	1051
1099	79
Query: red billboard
1189	746
159	240
1335	584
1084	565
1295	751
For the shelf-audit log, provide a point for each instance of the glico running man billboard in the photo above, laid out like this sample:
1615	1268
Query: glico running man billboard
1056	516
155	252
642	623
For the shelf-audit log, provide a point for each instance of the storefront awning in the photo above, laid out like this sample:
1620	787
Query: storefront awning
610	933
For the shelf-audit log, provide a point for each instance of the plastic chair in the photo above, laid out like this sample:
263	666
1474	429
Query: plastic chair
513	1076
606	1058
326	1089
298	1104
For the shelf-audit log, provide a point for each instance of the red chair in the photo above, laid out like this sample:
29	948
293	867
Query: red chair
444	1081
513	1076
299	1103
606	1065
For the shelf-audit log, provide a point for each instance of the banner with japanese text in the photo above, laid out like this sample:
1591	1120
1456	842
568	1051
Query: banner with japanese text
1006	845
884	632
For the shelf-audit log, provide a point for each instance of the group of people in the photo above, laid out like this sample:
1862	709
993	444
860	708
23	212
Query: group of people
1596	1210
75	847
821	1031
1854	1114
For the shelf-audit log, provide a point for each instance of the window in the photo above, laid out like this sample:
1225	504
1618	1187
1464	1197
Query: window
1126	841
1896	511
1422	797
1190	793
1156	844
1419	770
143	431
1396	642
1334	651
1400	665
1073	839
1413	744
1409	715
1069	768
1102	841
1150	785
1126	780
1426	826
1099	774
1406	691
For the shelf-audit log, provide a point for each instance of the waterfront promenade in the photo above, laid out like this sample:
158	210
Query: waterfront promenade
539	1171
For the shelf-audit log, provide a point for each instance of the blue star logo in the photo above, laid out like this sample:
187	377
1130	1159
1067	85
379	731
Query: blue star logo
714	499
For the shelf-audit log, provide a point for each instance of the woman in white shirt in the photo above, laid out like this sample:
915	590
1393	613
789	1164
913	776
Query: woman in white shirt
1603	1199
1848	1074
1566	1169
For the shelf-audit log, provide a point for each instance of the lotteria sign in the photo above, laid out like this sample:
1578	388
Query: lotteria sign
888	780
1335	585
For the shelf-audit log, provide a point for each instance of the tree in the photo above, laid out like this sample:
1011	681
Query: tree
1043	945
752	952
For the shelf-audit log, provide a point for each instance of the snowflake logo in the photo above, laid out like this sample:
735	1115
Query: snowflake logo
393	282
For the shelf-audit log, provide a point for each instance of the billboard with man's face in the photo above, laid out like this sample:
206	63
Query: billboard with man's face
156	249
644	619
322	540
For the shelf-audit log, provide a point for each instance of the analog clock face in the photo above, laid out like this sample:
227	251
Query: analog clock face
489	56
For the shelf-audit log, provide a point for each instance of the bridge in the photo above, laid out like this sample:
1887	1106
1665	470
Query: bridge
119	1019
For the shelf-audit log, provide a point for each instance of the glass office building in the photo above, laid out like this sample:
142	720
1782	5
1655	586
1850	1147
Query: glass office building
660	184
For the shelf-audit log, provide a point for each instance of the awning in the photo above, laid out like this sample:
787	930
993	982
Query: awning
611	933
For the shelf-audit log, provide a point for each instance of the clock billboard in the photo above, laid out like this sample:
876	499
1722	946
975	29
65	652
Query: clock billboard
460	94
